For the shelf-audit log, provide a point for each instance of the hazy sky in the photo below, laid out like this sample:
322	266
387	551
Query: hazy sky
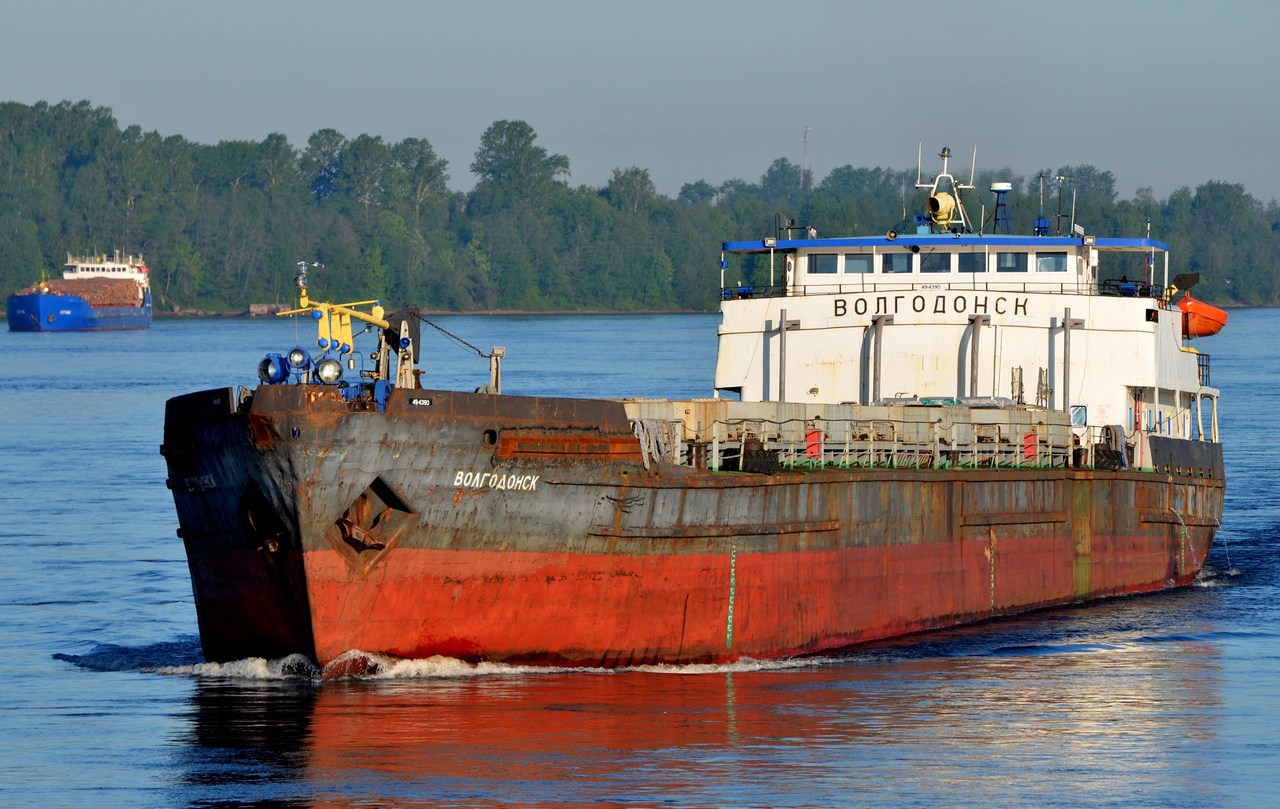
1162	94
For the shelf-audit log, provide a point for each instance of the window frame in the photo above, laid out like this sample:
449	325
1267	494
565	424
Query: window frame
887	259
978	257
1022	264
1052	255
867	259
814	260
927	259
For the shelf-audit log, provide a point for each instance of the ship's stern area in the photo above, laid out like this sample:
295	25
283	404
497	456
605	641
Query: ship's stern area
1191	502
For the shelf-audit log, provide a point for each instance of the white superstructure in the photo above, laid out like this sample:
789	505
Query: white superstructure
130	267
964	318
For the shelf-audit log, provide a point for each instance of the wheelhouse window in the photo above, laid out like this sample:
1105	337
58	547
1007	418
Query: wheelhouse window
1051	262
972	262
1011	262
895	262
935	262
857	263
822	263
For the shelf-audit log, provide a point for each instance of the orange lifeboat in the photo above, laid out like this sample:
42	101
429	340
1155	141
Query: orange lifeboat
1199	319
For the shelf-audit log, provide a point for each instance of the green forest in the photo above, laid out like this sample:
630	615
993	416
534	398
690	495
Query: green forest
222	226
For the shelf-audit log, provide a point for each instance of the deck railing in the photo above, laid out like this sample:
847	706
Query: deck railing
1117	289
762	445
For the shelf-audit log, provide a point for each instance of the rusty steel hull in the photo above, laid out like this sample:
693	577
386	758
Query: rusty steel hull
528	530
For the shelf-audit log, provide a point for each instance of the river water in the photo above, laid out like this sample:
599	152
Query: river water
1164	700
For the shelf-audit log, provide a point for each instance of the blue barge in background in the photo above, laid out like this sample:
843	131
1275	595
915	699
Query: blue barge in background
95	293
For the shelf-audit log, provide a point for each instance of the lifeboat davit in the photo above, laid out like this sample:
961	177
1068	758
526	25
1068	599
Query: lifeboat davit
1199	319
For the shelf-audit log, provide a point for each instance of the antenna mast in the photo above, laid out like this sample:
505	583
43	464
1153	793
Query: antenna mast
806	176
1042	224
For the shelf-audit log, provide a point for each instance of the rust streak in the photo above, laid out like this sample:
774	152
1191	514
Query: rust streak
686	531
1014	518
264	434
541	445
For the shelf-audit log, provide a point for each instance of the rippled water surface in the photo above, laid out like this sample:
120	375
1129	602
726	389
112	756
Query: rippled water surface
1165	700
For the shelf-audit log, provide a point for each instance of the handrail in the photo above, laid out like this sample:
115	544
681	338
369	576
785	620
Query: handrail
1110	289
871	442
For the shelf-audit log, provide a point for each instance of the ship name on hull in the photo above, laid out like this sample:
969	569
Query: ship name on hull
495	480
937	304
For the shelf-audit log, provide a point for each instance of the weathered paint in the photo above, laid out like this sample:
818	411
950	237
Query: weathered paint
317	530
597	609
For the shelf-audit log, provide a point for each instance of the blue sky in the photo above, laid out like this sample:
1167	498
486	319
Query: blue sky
1162	94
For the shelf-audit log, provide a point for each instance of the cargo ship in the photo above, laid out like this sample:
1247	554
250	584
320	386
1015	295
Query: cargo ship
97	292
905	432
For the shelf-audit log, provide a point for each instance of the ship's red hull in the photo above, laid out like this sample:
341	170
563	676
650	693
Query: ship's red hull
314	530
569	609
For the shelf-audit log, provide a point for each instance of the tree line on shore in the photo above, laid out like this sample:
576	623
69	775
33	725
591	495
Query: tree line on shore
222	225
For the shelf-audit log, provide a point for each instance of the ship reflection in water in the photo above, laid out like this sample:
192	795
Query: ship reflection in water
1006	724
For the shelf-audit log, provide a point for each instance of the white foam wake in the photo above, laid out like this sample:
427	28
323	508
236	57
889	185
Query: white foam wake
358	665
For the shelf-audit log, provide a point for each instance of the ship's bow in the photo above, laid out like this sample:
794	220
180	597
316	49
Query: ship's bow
242	548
